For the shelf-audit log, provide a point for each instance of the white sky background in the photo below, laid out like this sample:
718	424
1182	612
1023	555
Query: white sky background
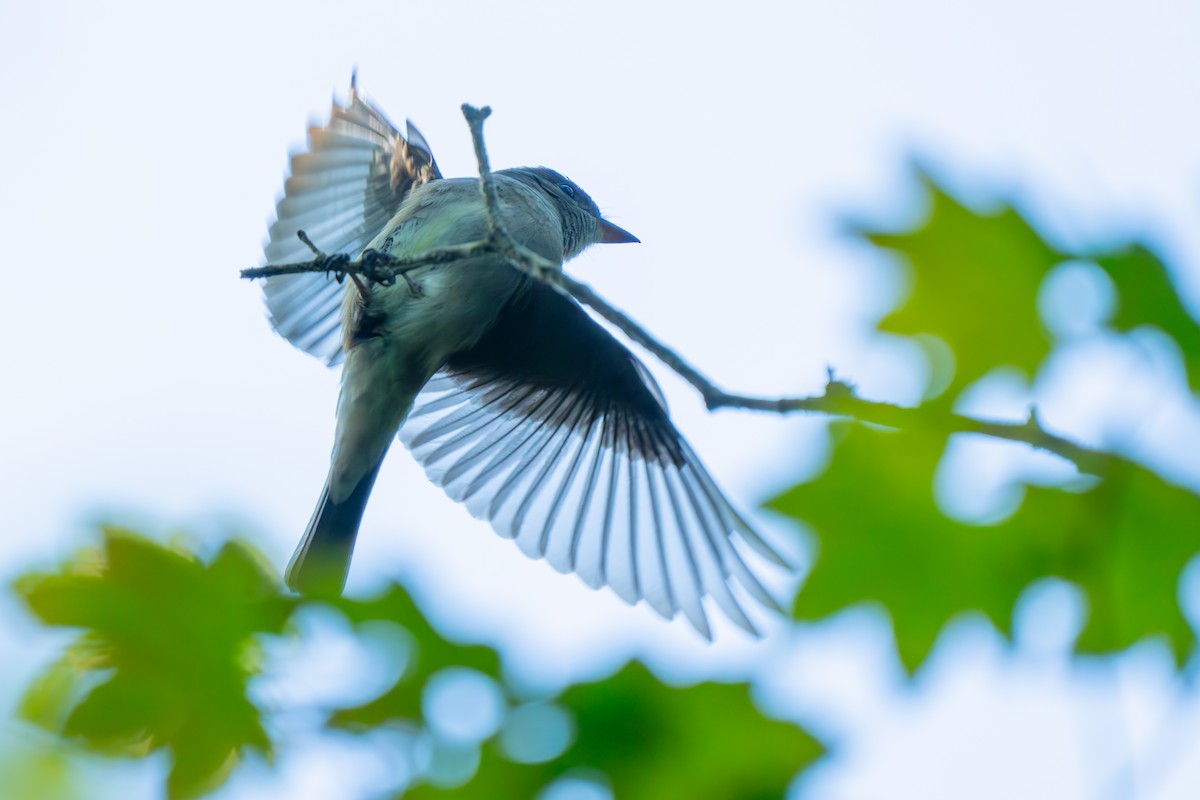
143	148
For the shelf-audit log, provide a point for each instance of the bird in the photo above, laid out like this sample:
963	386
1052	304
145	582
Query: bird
509	395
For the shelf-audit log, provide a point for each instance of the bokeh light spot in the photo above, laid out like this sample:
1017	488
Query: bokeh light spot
462	705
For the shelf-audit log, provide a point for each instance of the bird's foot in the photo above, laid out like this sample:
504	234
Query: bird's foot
370	260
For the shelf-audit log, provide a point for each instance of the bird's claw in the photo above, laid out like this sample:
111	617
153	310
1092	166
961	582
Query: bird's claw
370	264
370	260
334	265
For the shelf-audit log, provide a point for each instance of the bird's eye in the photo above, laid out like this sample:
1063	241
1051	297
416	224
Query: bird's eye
568	189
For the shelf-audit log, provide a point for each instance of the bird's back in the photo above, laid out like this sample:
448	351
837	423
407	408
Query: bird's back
451	212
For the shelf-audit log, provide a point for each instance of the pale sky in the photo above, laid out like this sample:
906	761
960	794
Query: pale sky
144	146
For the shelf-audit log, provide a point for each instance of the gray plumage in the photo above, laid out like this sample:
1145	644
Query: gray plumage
508	394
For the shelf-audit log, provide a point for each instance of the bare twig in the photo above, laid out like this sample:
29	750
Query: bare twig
487	182
838	398
378	267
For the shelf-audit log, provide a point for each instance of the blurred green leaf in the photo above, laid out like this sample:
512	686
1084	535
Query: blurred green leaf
707	740
496	776
1128	542
167	653
655	742
882	538
974	284
433	654
166	656
1146	295
30	768
651	740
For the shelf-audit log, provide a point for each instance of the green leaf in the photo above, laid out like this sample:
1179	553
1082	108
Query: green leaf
883	539
1128	542
974	285
433	653
655	742
171	646
707	740
31	768
495	776
1146	295
651	740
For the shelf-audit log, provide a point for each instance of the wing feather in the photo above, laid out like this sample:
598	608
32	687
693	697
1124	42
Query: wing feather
553	432
342	191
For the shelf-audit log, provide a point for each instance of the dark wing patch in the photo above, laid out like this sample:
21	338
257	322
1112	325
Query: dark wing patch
548	429
342	191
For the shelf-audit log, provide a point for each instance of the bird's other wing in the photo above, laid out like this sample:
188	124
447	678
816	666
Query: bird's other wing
342	190
551	430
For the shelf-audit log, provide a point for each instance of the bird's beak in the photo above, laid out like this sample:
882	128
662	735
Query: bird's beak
613	234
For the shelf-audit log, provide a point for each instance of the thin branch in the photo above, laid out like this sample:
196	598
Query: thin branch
376	267
838	398
487	182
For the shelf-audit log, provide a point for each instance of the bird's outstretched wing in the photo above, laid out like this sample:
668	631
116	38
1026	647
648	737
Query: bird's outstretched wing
551	430
357	171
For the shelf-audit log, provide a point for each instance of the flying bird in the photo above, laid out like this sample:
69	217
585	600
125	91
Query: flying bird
513	400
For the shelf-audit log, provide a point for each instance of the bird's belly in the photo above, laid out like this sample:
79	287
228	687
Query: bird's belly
447	309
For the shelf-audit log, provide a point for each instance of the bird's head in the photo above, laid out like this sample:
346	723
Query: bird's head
582	222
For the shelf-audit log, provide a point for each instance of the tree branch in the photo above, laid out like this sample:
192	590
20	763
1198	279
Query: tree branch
838	398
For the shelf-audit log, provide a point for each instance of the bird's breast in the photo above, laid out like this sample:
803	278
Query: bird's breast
444	308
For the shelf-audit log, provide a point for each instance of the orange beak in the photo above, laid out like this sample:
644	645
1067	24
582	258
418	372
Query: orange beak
613	234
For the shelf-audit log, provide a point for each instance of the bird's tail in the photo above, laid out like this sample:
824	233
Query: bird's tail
322	559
